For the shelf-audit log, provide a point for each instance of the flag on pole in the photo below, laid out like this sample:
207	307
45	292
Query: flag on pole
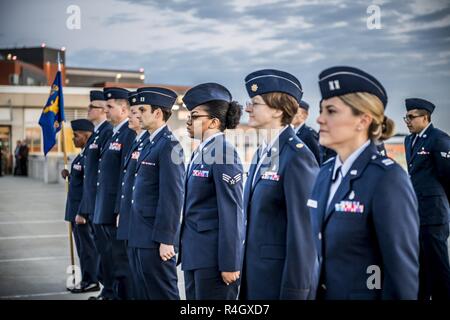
53	114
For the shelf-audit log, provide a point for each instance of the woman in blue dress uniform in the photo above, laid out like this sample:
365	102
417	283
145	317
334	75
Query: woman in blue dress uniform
212	227
279	254
363	207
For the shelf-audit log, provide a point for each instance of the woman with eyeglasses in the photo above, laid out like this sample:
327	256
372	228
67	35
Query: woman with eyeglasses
280	256
363	206
212	226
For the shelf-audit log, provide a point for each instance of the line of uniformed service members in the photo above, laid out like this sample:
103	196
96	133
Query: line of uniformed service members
355	226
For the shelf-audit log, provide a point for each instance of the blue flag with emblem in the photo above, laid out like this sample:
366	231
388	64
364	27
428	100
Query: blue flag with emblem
53	114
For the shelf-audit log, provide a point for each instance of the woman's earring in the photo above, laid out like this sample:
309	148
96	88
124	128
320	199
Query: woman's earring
358	128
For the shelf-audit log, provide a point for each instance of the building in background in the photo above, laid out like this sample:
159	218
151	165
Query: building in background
25	78
89	77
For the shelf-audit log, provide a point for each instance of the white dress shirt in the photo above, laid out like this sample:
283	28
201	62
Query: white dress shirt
343	169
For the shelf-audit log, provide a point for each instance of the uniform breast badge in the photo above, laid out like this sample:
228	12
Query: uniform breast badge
115	146
200	173
270	175
349	207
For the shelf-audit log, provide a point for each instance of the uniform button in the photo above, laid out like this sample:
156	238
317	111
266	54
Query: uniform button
324	287
98	171
133	187
132	201
245	222
123	183
243	241
124	171
100	159
135	174
320	236
98	183
84	176
123	196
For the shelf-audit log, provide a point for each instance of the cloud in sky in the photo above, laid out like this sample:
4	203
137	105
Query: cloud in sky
192	41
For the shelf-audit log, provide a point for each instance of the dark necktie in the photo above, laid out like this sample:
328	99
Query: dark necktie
262	150
192	158
413	142
336	174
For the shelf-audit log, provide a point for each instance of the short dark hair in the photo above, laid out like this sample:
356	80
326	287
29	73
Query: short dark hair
166	112
123	101
284	102
425	113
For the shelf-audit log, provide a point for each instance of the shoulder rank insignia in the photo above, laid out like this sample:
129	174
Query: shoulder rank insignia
423	152
231	180
445	155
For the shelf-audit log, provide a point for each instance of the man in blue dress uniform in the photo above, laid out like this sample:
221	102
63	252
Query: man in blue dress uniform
102	132
157	198
428	159
112	158
307	134
129	169
82	232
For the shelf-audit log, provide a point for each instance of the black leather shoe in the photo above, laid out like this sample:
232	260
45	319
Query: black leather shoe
90	287
99	297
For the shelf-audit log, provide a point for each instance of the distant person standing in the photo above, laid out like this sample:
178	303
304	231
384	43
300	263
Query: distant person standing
307	134
24	158
1	159
17	158
428	159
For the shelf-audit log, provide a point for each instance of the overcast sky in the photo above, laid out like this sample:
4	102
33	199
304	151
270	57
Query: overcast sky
186	42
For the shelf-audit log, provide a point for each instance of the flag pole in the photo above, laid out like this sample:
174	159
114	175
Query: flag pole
72	257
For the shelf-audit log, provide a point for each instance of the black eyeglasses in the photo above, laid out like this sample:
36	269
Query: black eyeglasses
411	117
190	118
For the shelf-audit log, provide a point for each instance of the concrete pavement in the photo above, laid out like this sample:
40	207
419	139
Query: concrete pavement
34	245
